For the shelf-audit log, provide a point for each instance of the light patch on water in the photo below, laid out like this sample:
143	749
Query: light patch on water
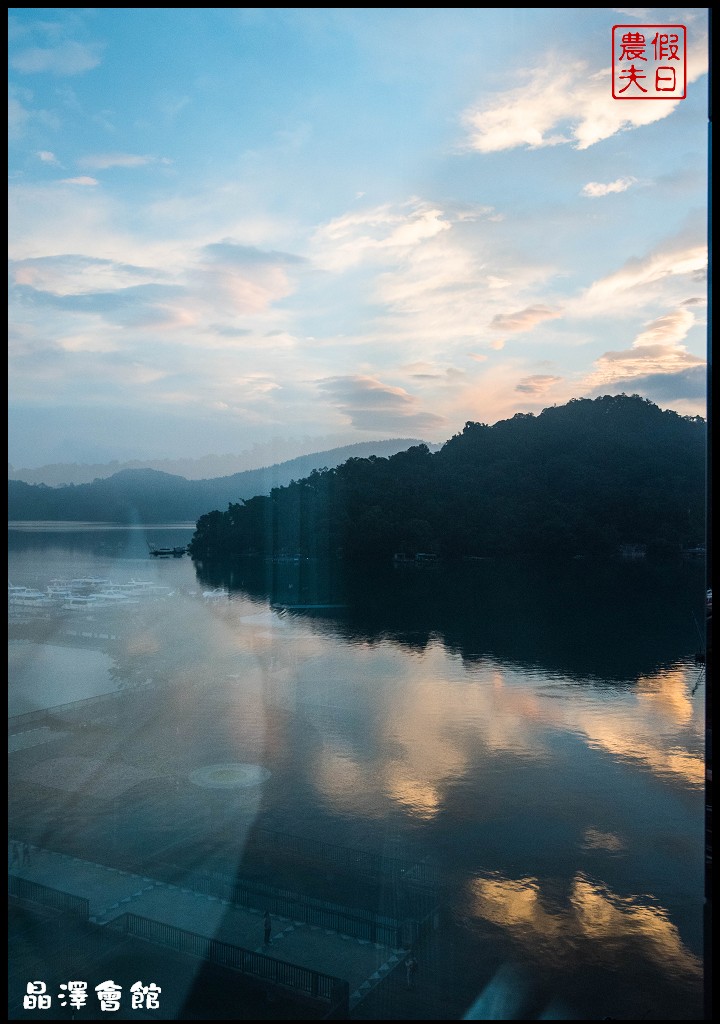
594	839
611	922
230	776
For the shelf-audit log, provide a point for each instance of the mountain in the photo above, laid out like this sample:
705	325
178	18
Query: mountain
152	496
206	467
584	478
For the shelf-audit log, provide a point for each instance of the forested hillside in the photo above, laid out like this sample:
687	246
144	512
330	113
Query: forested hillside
581	478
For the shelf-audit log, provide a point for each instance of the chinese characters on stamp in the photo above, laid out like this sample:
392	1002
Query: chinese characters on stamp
649	62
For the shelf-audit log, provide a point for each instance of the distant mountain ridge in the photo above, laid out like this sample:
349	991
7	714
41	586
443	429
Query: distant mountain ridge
206	467
142	495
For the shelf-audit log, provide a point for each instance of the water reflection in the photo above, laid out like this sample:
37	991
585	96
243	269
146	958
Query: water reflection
667	694
546	924
606	621
607	918
516	904
501	740
596	840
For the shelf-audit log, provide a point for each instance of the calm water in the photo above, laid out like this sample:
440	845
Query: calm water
530	735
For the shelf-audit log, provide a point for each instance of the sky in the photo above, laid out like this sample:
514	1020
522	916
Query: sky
232	228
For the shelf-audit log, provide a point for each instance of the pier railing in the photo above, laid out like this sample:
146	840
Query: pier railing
302	981
24	889
18	722
256	895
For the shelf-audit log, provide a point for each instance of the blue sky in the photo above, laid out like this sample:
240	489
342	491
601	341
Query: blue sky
231	227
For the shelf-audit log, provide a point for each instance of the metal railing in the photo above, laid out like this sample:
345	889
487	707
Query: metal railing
300	980
23	889
17	722
356	922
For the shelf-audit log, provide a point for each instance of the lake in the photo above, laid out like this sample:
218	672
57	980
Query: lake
504	760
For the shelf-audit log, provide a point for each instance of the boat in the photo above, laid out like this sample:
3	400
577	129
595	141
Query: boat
25	597
143	588
80	603
169	552
108	598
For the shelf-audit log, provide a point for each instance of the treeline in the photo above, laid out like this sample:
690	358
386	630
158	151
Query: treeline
582	478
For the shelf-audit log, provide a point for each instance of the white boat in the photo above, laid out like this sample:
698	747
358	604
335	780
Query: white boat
60	591
144	588
110	597
80	603
24	597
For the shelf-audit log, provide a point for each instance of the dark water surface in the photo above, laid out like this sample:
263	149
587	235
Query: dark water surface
503	758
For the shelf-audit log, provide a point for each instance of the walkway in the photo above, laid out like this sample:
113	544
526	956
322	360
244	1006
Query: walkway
112	892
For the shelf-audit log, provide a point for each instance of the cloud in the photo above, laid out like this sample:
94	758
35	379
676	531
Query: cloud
632	282
228	331
524	319
88	342
232	253
103	161
243	278
538	384
689	385
47	157
656	353
634	12
425	224
22	115
18	116
219	294
73	274
641	360
136	306
595	189
562	102
428	276
68	58
256	385
82	180
668	329
371	405
381	233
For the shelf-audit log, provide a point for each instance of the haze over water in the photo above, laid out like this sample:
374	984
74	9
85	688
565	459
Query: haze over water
531	734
